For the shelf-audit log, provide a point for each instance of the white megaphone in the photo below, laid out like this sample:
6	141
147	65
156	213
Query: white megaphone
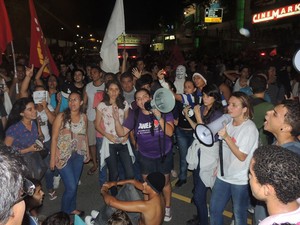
163	100
296	60
206	133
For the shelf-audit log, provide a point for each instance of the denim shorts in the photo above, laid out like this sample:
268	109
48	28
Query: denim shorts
149	165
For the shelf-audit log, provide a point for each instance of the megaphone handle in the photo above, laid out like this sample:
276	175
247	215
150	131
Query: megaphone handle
221	157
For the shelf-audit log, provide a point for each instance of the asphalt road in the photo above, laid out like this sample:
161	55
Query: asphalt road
89	198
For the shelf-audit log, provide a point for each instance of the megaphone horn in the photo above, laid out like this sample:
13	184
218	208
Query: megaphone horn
206	133
163	100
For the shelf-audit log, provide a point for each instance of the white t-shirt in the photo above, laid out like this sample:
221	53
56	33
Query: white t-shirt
108	120
291	218
91	90
245	137
44	122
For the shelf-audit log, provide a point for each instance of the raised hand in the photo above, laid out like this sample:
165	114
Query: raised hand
29	71
136	73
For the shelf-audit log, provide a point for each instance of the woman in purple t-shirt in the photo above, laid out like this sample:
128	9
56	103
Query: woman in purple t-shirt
154	148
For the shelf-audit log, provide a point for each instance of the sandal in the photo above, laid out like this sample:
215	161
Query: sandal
52	195
92	171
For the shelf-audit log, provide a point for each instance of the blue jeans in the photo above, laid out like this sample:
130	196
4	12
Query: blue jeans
70	175
49	173
221	193
184	141
118	153
199	197
103	171
136	166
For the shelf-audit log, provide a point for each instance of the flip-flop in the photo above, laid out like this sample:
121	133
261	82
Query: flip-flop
92	171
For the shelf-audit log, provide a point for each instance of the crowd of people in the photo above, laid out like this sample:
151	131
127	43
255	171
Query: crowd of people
87	115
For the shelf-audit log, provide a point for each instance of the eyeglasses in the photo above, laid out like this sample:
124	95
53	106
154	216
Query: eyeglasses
27	190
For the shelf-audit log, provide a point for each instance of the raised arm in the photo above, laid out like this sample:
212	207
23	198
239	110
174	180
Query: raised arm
26	82
120	130
38	75
230	74
135	183
129	206
124	63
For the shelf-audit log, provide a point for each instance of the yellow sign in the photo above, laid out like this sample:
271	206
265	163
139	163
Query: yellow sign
134	39
213	20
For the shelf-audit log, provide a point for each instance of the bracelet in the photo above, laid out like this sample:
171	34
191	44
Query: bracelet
225	136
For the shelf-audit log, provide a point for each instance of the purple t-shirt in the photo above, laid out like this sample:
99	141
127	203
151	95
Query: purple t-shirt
23	138
149	146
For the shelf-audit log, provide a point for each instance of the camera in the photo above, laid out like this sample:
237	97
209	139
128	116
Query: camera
190	112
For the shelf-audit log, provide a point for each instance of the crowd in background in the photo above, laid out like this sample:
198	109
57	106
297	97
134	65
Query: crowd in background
92	116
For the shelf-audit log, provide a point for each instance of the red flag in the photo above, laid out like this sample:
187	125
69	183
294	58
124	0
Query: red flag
273	52
5	31
38	46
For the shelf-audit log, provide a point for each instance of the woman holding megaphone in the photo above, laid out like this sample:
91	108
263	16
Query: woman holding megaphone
240	139
203	159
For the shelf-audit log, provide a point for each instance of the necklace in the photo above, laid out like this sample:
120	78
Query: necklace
76	127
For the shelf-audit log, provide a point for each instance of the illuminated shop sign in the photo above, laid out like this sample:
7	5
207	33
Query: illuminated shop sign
213	15
274	14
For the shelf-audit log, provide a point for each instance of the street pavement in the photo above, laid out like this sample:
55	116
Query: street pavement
89	198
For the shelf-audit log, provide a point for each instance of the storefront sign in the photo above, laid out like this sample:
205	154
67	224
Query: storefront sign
278	13
213	15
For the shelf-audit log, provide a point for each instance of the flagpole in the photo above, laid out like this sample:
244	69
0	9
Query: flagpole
15	65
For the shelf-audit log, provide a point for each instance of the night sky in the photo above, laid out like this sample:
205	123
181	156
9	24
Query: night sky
139	14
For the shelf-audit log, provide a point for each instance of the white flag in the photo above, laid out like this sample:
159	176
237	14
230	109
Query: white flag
109	48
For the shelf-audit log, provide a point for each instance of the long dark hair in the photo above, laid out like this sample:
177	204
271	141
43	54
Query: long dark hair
18	108
213	91
120	99
67	112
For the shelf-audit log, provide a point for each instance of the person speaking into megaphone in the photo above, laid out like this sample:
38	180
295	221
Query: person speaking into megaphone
154	147
240	139
202	159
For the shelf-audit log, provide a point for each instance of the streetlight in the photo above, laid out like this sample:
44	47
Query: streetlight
78	26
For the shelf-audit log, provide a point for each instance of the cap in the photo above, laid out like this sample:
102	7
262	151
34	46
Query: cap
200	75
67	89
156	181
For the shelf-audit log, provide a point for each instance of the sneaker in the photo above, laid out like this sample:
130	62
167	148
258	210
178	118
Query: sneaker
89	220
168	215
251	210
56	180
79	182
52	195
94	214
174	173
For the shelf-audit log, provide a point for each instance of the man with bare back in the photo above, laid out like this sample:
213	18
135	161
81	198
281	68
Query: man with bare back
152	208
